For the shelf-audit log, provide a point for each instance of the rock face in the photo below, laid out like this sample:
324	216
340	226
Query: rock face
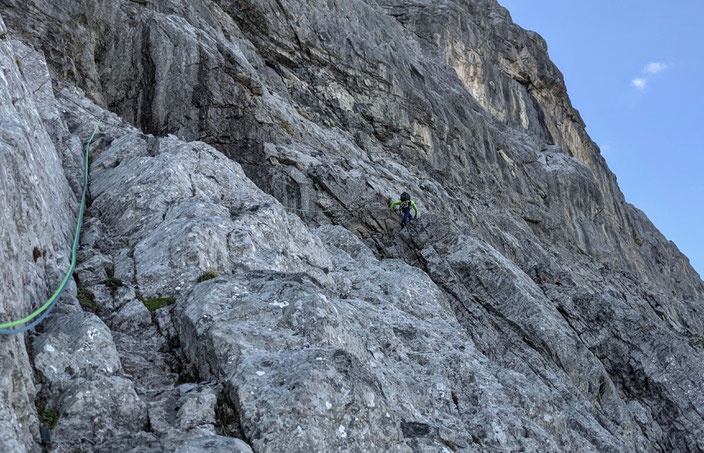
250	289
36	210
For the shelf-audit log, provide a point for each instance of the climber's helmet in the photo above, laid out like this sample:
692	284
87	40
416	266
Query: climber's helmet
405	196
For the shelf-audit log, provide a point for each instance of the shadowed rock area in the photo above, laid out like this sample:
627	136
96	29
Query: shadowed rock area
241	284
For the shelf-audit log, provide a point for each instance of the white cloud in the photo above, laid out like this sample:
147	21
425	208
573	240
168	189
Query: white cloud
654	68
639	83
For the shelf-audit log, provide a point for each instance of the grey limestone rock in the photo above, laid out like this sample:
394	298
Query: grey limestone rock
77	345
528	308
132	315
188	411
100	409
103	297
406	377
197	409
212	444
37	210
202	204
92	269
164	321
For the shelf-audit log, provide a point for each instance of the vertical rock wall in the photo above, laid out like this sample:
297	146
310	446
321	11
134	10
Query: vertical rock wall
37	209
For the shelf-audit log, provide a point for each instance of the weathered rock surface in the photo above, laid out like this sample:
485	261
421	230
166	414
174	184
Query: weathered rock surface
401	378
132	315
36	211
101	409
529	308
199	444
76	345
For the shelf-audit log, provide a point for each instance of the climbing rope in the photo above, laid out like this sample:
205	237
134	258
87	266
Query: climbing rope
49	304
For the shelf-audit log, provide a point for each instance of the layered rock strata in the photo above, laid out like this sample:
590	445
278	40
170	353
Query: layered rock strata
529	308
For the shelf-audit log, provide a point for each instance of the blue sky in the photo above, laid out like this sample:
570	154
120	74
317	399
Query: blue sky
635	71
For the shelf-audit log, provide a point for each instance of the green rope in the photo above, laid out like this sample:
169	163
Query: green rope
74	251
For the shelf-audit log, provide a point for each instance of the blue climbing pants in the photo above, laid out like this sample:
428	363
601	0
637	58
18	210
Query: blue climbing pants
406	215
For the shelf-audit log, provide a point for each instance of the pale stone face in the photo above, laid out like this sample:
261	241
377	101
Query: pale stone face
251	289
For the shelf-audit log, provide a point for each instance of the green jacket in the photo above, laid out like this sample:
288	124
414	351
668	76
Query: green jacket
404	205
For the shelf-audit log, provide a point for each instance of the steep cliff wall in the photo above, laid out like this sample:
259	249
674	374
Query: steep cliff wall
529	307
37	208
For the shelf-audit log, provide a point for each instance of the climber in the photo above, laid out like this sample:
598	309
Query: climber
405	204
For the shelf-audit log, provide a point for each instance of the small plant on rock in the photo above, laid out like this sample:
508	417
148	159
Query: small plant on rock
49	417
227	421
155	303
111	282
87	300
207	275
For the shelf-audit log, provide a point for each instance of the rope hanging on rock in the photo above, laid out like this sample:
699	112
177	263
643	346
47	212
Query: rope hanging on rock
49	304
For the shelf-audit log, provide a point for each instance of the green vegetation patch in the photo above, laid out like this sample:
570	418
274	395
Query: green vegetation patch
49	417
87	300
112	283
227	422
155	303
207	275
